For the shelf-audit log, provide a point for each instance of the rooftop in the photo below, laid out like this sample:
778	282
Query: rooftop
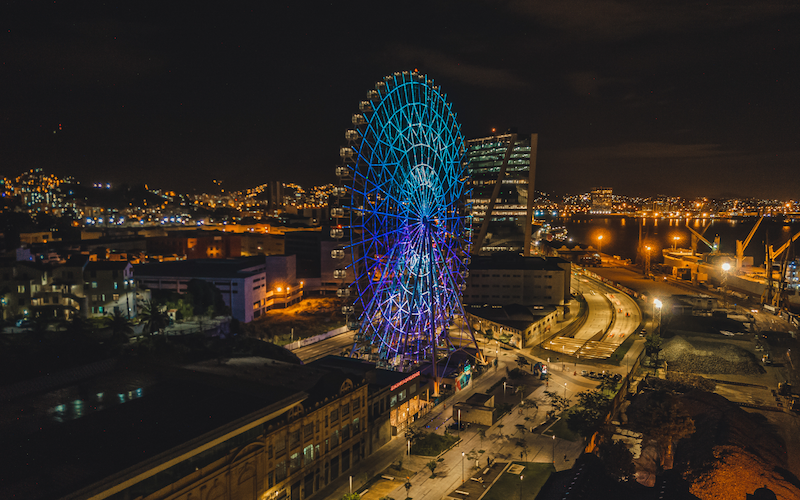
207	268
48	454
512	260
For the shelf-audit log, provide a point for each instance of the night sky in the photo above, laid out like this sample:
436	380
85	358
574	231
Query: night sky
649	97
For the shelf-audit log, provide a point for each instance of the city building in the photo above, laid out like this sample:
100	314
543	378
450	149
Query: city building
197	244
78	286
509	278
602	200
394	399
322	261
275	196
249	285
254	429
516	325
254	243
502	170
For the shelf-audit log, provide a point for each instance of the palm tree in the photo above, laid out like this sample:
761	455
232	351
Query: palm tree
120	327
152	315
79	327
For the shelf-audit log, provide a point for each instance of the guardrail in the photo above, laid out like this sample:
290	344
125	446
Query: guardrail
297	344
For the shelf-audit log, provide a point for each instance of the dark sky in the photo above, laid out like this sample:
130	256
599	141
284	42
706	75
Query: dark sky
667	97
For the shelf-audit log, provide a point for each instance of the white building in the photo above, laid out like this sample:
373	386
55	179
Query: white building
249	285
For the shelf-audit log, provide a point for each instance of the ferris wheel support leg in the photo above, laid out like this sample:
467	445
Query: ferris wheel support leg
480	356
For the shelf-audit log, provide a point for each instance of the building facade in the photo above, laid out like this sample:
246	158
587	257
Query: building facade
502	171
198	244
250	286
78	286
509	278
602	200
287	450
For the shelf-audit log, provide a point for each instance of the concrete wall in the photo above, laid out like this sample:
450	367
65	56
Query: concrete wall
481	415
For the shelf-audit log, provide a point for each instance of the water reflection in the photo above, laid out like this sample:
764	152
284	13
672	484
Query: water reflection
81	407
621	235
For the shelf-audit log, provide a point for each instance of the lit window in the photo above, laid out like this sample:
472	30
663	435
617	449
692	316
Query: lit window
94	284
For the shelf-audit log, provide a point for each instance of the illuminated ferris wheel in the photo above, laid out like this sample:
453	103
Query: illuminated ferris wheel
409	234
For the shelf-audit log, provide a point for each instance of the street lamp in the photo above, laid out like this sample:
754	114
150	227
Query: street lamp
459	422
657	307
554	449
725	268
520	486
647	261
675	240
462	467
565	390
600	247
409	447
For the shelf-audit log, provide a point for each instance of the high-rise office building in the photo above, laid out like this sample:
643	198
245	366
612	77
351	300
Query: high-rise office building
602	200
502	172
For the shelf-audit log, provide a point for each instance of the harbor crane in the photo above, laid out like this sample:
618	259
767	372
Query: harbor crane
741	246
775	298
699	236
773	254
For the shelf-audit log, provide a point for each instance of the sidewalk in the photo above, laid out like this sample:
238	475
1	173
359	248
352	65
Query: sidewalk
502	441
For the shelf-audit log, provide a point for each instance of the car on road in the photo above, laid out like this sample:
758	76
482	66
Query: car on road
454	426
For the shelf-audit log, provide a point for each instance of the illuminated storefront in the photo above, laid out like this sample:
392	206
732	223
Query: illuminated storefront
409	399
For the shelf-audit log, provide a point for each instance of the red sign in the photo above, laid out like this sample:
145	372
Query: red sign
407	379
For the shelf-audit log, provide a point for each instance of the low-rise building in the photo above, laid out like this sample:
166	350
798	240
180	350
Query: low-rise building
249	285
79	286
516	325
509	278
255	429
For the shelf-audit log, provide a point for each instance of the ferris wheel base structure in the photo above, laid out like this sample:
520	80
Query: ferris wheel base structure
404	208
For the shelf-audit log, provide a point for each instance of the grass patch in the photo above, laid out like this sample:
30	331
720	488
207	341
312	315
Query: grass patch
619	355
508	486
430	445
309	317
561	430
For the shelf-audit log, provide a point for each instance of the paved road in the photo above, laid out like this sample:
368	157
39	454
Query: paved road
334	345
599	314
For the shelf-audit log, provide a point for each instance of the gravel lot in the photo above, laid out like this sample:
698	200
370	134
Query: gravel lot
693	356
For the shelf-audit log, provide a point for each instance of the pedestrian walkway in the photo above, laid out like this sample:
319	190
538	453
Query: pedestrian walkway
510	439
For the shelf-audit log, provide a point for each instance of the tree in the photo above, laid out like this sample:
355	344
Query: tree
617	460
120	327
607	384
78	327
521	390
652	347
590	414
432	466
558	402
154	316
666	422
207	298
38	329
351	496
482	435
